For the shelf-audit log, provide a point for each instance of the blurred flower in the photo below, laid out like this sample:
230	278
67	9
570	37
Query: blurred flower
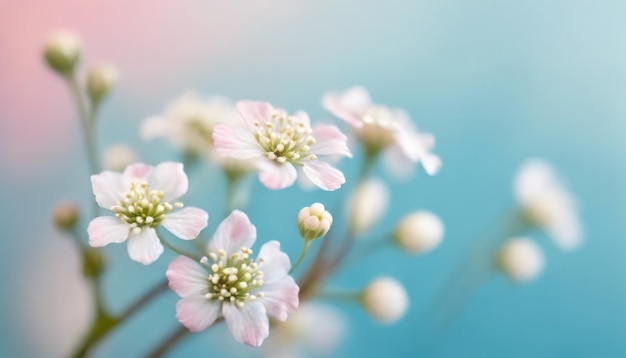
100	81
279	143
521	259
142	199
383	129
385	300
313	328
189	121
547	204
367	205
245	291
314	221
117	157
419	232
65	215
62	51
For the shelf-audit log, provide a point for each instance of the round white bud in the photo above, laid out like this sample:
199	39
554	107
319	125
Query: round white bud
117	157
521	259
100	81
62	51
368	204
65	215
419	232
314	221
385	300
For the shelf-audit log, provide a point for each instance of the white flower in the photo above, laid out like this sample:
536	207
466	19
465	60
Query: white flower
419	232
189	120
547	204
230	283
314	221
367	205
143	198
383	129
119	156
385	300
279	143
521	259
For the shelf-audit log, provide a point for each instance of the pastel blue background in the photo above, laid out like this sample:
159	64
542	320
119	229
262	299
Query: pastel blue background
496	81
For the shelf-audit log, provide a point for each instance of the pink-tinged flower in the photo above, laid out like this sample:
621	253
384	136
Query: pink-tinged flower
380	128
143	198
280	143
230	283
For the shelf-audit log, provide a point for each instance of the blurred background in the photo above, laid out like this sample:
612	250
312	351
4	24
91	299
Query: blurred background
496	82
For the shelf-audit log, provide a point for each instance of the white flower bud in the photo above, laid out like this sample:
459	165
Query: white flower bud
314	221
100	81
118	157
385	300
368	204
65	215
62	51
521	259
419	232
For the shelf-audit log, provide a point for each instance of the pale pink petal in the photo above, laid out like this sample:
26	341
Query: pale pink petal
274	263
253	112
397	163
534	177
186	277
303	117
235	142
431	163
187	223
106	230
107	188
324	175
137	171
248	324
276	176
280	297
154	127
409	144
329	140
171	178
348	106
145	246
427	140
197	313
233	234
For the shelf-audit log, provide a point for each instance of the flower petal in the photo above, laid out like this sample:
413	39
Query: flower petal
324	175
107	188
280	297
329	140
154	127
397	163
248	324
145	246
348	105
186	277
171	178
197	313
273	262
187	223
106	230
234	142
431	163
276	176
303	117
234	233
253	111
137	171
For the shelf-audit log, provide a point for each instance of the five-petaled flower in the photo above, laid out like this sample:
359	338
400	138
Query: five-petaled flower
143	198
384	129
279	143
228	282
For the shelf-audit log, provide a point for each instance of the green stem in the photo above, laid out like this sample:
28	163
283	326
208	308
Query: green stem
305	249
177	250
176	336
343	296
231	185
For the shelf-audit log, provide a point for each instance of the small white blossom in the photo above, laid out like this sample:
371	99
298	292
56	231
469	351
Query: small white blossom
419	232
385	300
314	221
521	259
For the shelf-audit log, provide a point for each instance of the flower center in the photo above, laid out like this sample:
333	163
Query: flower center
233	278
143	207
285	139
378	128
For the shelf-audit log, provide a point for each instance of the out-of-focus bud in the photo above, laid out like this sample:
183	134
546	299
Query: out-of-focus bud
385	300
521	259
419	232
93	262
100	81
118	157
314	221
65	215
62	51
368	204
